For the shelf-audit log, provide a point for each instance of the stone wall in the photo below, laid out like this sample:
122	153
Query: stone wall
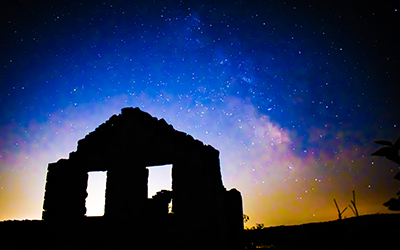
65	192
204	214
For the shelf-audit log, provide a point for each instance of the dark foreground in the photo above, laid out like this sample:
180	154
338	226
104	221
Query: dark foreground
91	233
379	231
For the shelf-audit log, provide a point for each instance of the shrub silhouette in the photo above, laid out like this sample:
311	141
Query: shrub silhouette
391	152
258	226
246	218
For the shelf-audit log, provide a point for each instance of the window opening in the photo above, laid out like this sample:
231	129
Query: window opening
160	177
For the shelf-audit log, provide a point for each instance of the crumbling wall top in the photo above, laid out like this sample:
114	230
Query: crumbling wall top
135	135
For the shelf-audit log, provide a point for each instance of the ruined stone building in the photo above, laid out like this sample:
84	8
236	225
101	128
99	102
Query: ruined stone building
204	213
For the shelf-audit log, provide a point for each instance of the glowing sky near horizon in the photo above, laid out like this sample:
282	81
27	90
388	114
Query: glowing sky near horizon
292	95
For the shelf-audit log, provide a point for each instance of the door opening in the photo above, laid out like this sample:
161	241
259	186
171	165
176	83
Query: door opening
96	190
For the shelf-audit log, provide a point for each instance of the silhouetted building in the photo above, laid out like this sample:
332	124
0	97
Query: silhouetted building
205	215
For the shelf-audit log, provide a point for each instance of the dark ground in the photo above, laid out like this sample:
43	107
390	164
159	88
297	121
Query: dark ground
92	233
380	231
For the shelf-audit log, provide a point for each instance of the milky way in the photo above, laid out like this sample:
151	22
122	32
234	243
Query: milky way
292	95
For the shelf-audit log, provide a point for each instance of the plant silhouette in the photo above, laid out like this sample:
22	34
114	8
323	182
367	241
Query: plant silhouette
353	202
339	213
246	218
391	152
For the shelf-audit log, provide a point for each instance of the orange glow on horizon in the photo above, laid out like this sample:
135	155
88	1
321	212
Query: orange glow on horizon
278	187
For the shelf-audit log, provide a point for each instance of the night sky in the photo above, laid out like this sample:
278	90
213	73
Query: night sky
291	94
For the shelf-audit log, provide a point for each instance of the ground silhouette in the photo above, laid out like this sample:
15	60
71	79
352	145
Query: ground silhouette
373	232
378	231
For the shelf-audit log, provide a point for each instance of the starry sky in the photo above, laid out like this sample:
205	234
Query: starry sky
292	95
